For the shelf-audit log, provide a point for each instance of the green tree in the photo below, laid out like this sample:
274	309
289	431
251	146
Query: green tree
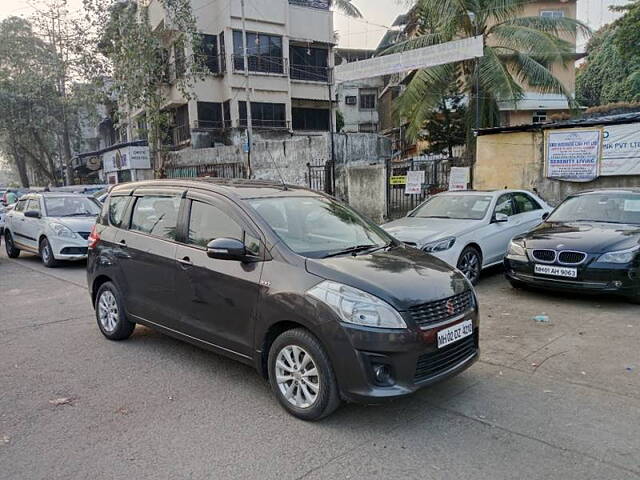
445	126
517	50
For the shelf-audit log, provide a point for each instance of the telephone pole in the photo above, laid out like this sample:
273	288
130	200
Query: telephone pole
247	88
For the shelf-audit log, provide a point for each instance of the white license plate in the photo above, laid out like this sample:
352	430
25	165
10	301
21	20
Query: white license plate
557	271
455	333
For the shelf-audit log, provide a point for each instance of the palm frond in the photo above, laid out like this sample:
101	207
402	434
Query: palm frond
496	78
346	7
531	41
501	10
414	43
554	26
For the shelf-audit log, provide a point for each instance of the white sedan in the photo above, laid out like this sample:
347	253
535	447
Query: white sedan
470	230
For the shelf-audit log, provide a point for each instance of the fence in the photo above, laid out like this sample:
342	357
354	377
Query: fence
321	177
436	176
220	170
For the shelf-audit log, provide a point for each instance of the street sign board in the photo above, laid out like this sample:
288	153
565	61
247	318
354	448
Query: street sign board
458	50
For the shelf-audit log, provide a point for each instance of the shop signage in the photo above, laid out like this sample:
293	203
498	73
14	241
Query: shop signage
573	155
621	150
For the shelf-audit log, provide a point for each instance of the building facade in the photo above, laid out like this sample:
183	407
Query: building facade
289	59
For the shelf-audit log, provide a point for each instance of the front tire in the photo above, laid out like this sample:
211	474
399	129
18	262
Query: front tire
470	263
46	254
10	247
301	376
112	321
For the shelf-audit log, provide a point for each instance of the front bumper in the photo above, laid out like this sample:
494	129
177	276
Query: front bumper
411	356
597	278
69	248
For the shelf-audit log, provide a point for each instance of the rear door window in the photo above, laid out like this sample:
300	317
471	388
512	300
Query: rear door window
156	215
525	203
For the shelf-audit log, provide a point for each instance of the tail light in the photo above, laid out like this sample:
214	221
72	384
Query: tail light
94	238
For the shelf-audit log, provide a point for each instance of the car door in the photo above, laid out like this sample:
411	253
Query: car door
147	255
501	232
18	224
529	209
31	225
217	297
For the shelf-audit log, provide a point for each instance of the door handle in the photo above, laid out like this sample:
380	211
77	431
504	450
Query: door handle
123	243
186	261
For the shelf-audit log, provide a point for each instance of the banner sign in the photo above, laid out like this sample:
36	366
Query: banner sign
621	150
415	179
573	155
126	158
458	50
459	178
398	180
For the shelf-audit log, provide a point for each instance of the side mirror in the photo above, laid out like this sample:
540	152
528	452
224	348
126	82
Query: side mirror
227	249
500	218
32	214
545	215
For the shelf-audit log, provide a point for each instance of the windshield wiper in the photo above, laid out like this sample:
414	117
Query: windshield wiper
83	214
433	216
351	250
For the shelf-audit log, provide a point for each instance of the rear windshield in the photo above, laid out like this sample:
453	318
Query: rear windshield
622	207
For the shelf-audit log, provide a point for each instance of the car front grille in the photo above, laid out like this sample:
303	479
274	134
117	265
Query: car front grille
84	235
547	256
571	258
74	251
442	310
432	364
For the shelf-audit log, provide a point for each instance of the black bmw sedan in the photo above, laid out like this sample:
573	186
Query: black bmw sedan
591	242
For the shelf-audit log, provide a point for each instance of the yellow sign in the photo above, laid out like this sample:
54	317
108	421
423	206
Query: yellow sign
398	180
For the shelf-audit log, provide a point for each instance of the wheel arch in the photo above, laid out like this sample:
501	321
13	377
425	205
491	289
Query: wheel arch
477	247
273	332
95	286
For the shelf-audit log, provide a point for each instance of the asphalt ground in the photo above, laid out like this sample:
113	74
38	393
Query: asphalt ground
556	400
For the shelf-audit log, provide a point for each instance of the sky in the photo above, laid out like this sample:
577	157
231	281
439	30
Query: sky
361	33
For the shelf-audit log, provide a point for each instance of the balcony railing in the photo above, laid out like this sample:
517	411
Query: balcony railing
266	124
260	64
178	135
211	124
210	64
310	73
320	4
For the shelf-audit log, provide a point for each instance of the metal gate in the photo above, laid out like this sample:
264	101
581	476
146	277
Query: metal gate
320	177
214	170
436	175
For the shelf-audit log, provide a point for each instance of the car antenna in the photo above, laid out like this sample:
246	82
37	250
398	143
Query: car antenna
284	185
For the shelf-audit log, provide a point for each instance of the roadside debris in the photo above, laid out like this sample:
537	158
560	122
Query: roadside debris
6	439
122	411
57	402
629	369
542	318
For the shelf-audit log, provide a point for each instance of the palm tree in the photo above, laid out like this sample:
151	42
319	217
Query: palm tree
518	51
346	7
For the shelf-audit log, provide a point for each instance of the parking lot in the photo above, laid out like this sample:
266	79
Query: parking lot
557	399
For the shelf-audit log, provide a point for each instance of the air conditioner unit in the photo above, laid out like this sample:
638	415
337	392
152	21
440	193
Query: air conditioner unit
351	100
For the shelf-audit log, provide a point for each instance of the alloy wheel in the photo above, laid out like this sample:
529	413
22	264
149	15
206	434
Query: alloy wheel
297	376
108	311
469	264
46	252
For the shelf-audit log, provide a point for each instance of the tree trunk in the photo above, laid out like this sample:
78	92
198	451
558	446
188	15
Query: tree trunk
20	165
66	146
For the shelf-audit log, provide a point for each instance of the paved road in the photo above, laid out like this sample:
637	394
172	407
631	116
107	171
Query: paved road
547	401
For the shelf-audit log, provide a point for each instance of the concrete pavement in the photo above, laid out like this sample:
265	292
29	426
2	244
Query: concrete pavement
558	400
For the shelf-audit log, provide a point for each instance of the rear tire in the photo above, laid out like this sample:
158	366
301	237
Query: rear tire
46	254
12	251
470	263
301	376
110	315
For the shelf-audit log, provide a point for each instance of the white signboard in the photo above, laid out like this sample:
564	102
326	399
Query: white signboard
621	150
426	57
458	178
573	155
126	158
415	179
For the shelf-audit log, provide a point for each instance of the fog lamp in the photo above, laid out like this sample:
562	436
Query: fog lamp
382	374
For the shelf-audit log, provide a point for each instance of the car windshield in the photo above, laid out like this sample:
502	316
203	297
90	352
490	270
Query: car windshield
71	206
317	227
616	207
459	207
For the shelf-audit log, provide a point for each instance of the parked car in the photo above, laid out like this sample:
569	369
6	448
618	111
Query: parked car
323	303
53	225
591	242
470	230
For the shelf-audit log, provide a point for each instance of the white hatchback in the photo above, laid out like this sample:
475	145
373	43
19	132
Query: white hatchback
55	226
470	230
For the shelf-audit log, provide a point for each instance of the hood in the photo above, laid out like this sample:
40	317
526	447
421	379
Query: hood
589	237
403	277
76	224
423	230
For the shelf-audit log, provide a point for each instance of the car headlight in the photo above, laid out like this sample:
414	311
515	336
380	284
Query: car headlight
440	245
62	230
357	307
516	250
621	256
